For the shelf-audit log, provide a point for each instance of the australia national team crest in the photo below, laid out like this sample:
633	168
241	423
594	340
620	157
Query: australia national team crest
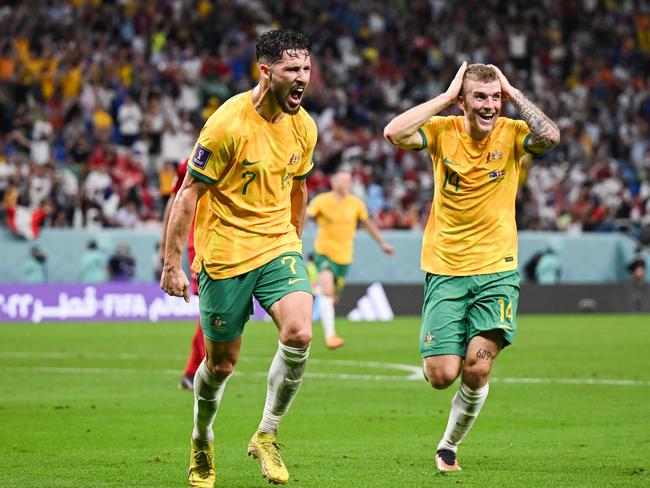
218	323
494	156
295	158
429	339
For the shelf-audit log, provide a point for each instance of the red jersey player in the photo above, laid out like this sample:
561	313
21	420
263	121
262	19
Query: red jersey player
197	352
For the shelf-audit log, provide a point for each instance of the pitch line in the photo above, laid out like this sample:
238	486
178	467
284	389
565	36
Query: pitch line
413	373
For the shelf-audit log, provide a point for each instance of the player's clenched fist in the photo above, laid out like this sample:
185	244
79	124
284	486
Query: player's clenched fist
174	282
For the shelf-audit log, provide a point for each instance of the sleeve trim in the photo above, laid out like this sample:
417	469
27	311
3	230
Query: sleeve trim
302	177
201	176
425	142
526	140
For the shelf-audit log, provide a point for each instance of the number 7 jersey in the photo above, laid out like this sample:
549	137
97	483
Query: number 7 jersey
244	220
471	229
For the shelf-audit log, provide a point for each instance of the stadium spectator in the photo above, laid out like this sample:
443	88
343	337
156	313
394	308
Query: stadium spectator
548	271
138	77
34	269
93	264
121	265
637	268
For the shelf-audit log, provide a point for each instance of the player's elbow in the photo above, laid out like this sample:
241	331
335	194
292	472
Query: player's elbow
391	135
555	137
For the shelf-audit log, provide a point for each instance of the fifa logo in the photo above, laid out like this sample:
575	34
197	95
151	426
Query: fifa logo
294	159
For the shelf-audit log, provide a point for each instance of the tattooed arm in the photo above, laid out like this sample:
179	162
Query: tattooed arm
545	135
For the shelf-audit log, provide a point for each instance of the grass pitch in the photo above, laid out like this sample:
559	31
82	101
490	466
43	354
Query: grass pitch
97	406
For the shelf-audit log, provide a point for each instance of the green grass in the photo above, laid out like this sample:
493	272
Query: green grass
97	406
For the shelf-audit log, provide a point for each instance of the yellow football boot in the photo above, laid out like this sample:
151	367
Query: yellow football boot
266	448
202	473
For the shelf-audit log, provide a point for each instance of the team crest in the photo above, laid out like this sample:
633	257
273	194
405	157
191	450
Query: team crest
493	156
295	158
217	323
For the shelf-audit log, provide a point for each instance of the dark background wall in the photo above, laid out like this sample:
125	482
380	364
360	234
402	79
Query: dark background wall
614	298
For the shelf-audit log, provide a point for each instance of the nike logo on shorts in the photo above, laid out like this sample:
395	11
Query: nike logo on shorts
295	280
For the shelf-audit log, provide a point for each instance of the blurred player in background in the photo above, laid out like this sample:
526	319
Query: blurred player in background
247	172
197	352
337	213
469	249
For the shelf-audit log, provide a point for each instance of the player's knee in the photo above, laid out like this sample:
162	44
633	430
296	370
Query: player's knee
476	373
297	334
220	369
440	378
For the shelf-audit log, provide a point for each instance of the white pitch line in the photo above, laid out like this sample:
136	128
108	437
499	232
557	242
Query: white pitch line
333	376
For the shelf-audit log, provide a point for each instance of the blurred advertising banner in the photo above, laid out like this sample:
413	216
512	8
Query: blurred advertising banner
82	302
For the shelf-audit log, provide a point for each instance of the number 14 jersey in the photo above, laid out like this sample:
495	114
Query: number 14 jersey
471	229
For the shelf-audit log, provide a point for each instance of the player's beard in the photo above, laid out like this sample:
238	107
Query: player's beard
281	97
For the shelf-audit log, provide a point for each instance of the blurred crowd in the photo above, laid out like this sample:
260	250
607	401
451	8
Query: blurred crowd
99	100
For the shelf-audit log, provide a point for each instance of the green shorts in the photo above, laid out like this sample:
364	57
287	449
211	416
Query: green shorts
457	308
340	271
226	305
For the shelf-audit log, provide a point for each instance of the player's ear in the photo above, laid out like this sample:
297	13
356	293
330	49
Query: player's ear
461	102
265	70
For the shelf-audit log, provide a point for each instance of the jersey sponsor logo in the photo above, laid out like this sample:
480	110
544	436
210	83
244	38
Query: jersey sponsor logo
449	162
201	156
497	175
246	162
494	156
295	280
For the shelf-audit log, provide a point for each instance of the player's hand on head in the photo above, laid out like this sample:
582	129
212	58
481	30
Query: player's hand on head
506	87
456	84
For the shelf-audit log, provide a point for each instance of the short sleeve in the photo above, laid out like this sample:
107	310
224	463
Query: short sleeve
522	136
313	209
307	161
362	213
430	132
211	153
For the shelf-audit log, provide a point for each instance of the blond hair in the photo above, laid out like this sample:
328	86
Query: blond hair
478	72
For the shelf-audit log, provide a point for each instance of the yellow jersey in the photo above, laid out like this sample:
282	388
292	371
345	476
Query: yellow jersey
244	220
337	220
471	229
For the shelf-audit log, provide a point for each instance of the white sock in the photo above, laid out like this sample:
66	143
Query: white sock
208	391
284	381
326	305
465	407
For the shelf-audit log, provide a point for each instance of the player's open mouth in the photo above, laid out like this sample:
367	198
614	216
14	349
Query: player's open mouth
295	95
487	117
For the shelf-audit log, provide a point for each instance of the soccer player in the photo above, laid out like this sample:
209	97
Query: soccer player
337	213
197	352
469	249
247	172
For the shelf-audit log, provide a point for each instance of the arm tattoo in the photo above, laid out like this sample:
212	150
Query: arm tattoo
545	134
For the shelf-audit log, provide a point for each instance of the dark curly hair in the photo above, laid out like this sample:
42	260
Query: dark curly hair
270	45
